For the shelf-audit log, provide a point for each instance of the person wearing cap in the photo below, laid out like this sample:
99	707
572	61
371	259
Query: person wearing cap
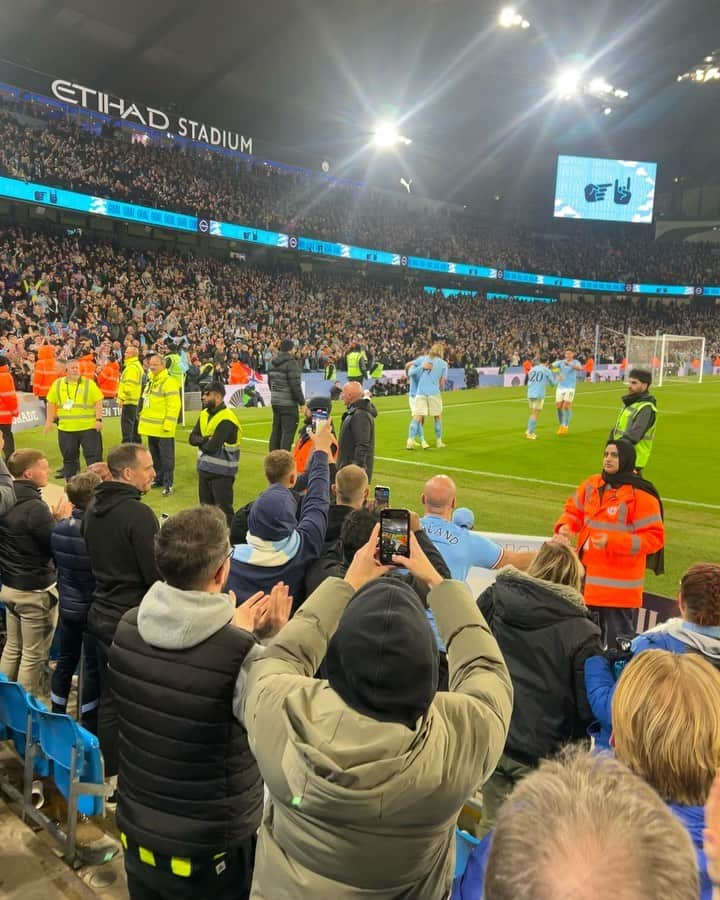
286	396
217	436
368	769
279	546
464	518
637	418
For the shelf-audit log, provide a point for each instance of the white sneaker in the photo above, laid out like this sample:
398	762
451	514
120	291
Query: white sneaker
425	445
530	435
439	444
411	444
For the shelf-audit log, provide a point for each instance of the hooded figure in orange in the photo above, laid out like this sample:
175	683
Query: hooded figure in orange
87	366
108	378
47	369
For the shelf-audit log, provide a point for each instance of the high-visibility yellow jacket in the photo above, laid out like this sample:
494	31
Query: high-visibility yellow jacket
75	403
161	406
130	386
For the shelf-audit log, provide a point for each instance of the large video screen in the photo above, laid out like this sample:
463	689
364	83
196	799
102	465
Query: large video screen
613	190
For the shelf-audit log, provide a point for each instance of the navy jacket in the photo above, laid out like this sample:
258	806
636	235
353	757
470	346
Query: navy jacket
75	578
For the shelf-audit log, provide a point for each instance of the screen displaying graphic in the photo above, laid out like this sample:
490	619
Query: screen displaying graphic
613	190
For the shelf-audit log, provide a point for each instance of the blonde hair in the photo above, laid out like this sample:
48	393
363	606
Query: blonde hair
666	723
437	349
557	563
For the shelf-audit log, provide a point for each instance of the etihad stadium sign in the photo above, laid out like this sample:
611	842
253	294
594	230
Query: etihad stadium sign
157	119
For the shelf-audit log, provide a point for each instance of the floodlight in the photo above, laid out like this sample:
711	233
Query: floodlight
509	18
386	135
567	83
599	86
607	110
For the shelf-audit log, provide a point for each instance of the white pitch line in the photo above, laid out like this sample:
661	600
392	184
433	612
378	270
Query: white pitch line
564	484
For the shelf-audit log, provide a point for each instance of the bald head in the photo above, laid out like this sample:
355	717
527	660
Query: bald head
351	392
439	496
351	486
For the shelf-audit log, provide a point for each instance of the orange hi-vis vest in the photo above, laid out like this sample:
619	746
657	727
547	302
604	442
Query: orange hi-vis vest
87	366
9	408
108	378
303	450
47	369
632	521
239	373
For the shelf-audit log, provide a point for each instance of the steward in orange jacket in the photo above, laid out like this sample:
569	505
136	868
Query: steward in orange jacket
618	519
240	373
302	451
87	366
9	408
108	378
46	370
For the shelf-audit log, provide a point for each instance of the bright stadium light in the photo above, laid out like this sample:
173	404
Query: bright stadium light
704	72
567	83
386	134
509	18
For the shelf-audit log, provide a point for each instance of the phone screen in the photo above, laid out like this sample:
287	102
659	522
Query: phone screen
319	418
382	497
394	534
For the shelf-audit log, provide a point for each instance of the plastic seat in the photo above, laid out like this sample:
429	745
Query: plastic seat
74	753
14	708
464	845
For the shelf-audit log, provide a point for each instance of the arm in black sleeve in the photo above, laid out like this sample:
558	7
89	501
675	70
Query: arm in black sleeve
41	523
361	426
196	439
142	534
225	433
432	553
486	603
295	384
7	491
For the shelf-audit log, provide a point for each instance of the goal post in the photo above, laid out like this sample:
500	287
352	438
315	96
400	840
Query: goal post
643	352
681	356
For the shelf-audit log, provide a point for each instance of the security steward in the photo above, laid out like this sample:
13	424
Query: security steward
158	422
217	436
356	362
9	407
637	419
75	403
128	395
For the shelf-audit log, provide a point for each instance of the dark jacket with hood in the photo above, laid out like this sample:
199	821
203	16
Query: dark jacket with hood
119	532
357	437
7	494
25	559
284	381
188	784
545	633
75	578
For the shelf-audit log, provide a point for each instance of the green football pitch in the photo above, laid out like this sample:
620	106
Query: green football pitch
511	484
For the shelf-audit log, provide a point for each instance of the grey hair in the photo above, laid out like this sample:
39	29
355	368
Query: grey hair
583	827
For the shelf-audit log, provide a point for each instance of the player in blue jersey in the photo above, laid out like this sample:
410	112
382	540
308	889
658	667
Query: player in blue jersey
567	370
538	380
416	425
431	372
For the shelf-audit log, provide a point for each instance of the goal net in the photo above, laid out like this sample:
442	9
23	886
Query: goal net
681	356
644	353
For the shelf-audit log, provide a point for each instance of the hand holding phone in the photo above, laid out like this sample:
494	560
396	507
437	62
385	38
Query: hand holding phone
382	497
394	535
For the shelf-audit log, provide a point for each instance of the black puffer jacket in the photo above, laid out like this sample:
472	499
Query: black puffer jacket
357	437
25	559
284	381
75	578
545	633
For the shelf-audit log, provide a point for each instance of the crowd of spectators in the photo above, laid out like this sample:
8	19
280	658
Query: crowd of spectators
37	143
91	296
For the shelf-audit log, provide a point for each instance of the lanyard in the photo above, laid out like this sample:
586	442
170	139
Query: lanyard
67	389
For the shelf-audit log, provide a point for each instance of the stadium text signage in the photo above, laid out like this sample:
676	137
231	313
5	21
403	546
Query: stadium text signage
89	98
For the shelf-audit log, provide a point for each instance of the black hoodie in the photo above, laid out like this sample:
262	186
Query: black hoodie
643	420
119	532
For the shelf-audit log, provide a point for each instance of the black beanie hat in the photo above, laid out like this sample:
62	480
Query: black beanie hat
286	346
383	658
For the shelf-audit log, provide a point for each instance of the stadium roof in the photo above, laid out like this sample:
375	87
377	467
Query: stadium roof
306	79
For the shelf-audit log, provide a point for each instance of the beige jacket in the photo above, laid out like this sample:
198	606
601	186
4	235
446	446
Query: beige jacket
360	808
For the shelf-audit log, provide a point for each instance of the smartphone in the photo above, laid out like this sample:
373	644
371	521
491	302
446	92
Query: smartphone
319	418
394	534
382	497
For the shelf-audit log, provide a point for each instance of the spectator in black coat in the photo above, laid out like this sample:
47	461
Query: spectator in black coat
75	584
357	431
27	570
286	397
545	632
119	532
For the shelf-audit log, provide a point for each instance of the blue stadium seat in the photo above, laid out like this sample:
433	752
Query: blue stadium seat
74	754
14	709
464	845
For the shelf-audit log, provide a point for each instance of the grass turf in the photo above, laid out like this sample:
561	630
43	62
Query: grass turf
510	483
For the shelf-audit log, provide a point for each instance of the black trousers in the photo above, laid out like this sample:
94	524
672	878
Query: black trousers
217	490
232	882
108	722
9	447
128	423
613	620
74	640
70	443
284	426
162	451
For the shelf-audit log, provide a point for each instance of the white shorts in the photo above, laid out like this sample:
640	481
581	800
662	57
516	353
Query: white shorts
536	402
428	406
413	410
564	395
